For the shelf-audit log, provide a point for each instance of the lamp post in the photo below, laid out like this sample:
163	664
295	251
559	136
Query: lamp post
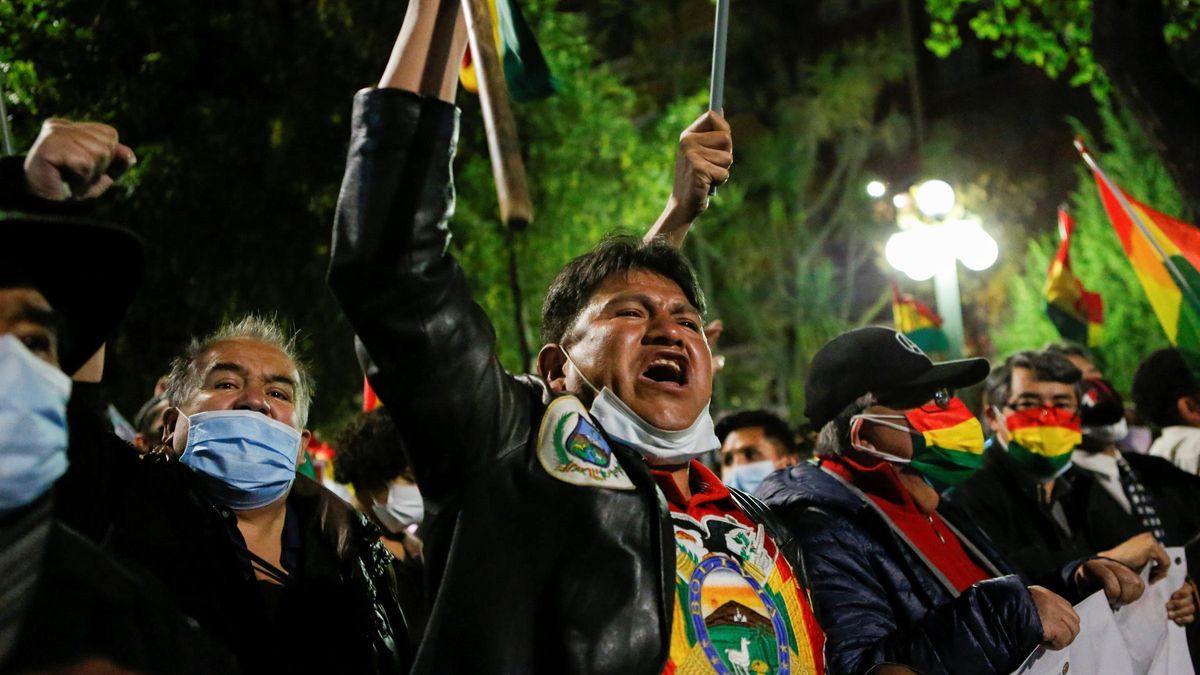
936	234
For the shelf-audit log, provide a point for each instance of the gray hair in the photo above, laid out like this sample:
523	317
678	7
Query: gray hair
185	378
834	437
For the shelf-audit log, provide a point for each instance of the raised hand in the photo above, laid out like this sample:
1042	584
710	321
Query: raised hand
75	160
703	159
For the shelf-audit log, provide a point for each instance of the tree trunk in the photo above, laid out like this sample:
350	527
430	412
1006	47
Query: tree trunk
1129	46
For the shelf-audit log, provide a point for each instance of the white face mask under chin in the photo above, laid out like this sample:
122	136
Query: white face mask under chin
657	446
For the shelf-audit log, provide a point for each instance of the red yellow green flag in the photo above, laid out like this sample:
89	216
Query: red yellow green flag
525	70
370	400
1077	313
921	324
1165	254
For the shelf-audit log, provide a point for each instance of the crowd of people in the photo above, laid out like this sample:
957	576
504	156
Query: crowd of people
589	517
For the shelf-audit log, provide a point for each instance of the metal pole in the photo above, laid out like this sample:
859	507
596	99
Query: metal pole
949	304
8	145
716	88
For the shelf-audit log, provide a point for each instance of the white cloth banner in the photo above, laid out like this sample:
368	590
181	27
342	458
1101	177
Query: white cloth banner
1137	639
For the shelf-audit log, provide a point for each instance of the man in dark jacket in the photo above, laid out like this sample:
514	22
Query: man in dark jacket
568	528
67	604
896	574
256	553
1027	496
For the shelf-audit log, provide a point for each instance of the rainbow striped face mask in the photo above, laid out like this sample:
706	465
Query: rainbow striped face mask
1041	439
947	440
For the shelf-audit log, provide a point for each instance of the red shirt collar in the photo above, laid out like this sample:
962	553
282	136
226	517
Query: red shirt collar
873	476
706	487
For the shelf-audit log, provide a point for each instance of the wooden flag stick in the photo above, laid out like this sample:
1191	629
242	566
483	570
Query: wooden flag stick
512	190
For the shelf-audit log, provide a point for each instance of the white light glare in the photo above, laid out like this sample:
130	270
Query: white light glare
976	248
935	198
876	189
911	253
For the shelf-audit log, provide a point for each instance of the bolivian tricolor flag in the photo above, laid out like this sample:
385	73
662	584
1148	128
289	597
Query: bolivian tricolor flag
921	324
953	441
525	69
370	400
1165	254
1077	313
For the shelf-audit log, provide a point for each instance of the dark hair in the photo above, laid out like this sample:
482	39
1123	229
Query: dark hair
573	287
370	452
772	425
149	413
1070	349
1049	366
834	437
1160	381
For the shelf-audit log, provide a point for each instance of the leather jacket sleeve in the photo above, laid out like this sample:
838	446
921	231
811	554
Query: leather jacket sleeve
432	349
990	628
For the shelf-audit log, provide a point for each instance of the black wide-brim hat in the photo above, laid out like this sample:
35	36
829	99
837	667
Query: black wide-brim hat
90	273
881	361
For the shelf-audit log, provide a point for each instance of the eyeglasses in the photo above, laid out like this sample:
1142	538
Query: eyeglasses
1026	404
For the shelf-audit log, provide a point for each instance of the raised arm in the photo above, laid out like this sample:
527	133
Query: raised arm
431	348
702	160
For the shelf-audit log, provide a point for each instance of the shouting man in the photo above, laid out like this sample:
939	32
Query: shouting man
567	526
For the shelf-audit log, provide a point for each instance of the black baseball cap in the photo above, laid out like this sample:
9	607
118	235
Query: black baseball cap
880	361
90	273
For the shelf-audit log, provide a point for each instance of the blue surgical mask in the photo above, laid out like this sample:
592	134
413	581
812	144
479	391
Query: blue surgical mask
404	508
245	459
747	477
33	425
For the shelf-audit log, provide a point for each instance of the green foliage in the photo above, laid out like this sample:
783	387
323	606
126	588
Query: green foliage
1055	36
1131	331
791	243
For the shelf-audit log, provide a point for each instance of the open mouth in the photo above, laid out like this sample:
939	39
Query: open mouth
667	368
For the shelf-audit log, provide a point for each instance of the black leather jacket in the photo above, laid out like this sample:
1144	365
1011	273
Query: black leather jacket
529	573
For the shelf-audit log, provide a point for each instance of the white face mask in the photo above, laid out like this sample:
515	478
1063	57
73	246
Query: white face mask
404	508
657	446
882	420
1109	433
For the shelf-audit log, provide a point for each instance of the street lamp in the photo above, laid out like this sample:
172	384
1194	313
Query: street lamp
934	237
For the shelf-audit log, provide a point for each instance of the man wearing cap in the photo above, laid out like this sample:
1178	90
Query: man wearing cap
896	574
65	284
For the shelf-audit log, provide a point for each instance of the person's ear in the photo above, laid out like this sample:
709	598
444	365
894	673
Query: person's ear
174	431
993	420
305	439
856	437
552	366
1189	411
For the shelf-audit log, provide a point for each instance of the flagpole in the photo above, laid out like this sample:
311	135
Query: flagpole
1137	220
8	146
716	89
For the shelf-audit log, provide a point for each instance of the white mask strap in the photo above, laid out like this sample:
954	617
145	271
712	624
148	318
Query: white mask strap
572	362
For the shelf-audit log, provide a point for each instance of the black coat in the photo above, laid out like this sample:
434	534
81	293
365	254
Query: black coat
1003	501
87	606
528	572
879	603
339	613
537	561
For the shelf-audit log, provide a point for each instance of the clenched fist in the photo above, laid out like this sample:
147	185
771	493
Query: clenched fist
75	160
1060	623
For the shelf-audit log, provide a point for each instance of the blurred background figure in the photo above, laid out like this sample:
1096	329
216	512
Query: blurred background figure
1166	394
754	443
148	423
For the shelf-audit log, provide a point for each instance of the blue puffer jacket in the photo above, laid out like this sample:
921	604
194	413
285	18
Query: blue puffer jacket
879	603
